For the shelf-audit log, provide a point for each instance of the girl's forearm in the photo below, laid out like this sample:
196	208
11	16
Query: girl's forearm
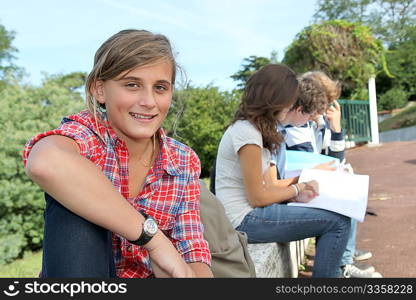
273	194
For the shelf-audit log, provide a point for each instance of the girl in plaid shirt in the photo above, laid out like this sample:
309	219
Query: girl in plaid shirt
111	167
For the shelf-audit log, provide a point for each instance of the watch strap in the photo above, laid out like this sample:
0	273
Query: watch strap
143	238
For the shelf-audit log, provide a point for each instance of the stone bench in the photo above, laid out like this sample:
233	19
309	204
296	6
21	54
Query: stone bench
270	259
274	260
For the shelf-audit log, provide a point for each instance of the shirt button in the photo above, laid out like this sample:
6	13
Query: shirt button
129	248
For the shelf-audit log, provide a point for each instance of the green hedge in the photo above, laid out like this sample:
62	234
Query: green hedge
199	117
393	98
26	111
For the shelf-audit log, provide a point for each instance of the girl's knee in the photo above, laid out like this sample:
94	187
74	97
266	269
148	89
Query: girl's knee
344	223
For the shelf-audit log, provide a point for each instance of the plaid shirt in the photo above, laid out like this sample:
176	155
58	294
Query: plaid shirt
170	192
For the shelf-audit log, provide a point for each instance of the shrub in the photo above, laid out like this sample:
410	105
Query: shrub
393	98
199	117
26	111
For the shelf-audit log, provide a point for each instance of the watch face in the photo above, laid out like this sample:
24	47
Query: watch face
150	226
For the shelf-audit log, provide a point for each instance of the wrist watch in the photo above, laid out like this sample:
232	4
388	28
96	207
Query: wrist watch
149	230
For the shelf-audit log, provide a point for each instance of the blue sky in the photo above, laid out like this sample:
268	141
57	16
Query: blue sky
211	37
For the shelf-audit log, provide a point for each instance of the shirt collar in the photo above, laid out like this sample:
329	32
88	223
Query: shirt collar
100	127
169	160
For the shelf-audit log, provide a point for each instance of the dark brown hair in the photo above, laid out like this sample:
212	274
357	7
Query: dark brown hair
267	92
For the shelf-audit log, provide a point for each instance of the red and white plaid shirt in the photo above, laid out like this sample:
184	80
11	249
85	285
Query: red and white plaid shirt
170	192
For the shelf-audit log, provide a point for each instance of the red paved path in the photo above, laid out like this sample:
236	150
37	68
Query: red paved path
391	235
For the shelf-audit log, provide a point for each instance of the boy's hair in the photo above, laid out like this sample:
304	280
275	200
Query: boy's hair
332	88
312	96
267	92
125	51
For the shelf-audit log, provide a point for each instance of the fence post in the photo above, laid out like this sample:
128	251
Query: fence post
373	111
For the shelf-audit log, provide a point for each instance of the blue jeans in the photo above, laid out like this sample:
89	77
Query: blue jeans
284	223
347	257
74	247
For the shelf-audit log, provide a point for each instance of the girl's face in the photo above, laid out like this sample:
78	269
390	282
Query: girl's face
282	114
138	101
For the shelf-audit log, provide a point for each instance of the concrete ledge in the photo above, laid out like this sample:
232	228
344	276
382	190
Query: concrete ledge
402	134
274	260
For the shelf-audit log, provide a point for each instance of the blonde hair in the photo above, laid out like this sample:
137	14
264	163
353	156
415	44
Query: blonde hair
125	51
331	87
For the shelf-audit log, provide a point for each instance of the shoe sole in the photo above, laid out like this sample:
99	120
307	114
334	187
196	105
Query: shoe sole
363	257
362	275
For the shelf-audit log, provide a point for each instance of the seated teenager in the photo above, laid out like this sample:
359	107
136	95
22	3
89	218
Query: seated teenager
122	197
322	133
246	183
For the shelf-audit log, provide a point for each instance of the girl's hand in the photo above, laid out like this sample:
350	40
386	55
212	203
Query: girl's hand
165	259
309	191
159	272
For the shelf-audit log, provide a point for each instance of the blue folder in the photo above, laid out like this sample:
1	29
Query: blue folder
296	160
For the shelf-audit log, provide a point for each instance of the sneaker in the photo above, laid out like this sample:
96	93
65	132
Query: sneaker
362	255
364	267
376	275
351	271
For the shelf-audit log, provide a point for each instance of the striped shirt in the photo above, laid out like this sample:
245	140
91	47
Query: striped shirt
311	137
170	192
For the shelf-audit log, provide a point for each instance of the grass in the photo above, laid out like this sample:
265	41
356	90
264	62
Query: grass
405	118
28	266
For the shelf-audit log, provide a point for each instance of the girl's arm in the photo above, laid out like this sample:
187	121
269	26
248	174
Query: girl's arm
264	190
201	270
270	177
56	166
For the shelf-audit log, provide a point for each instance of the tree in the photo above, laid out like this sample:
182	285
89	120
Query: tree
346	51
251	65
7	52
199	117
74	81
402	62
394	22
388	19
26	111
351	10
401	58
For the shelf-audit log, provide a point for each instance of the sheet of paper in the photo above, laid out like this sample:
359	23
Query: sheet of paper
339	191
293	173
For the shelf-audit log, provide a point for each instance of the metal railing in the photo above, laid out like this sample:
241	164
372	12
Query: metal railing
356	120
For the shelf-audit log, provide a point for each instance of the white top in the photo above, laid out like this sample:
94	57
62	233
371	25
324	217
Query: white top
229	185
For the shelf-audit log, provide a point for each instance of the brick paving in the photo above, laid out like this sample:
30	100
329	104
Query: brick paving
390	234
